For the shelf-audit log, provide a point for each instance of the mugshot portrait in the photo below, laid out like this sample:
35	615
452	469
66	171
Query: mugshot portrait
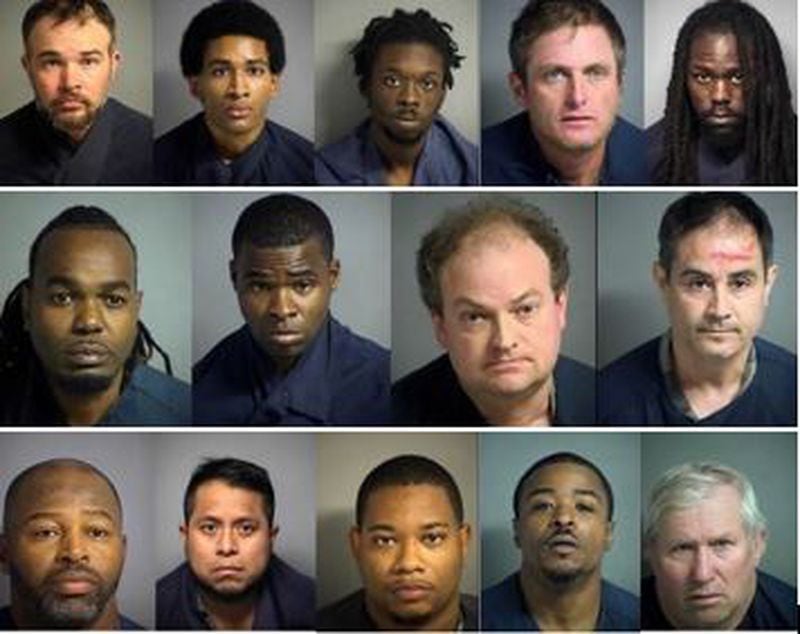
340	106
126	460
343	462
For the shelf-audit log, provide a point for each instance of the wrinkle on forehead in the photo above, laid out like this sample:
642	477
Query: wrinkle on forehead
729	240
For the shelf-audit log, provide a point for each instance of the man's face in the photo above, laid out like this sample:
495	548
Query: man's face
228	539
406	90
410	550
572	89
501	322
715	82
64	549
70	66
81	308
562	528
284	294
705	563
717	291
235	85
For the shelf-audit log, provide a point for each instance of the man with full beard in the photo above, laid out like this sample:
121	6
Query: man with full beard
563	524
231	579
63	548
72	133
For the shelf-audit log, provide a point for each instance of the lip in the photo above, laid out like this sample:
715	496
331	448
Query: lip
238	112
507	365
87	353
411	592
285	336
705	598
74	585
227	571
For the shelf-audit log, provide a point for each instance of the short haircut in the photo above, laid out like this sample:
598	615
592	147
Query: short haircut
231	17
560	458
236	473
445	239
13	491
407	470
702	209
282	220
64	10
539	17
686	485
405	27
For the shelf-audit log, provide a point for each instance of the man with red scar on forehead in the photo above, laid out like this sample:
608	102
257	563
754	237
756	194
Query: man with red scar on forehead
715	272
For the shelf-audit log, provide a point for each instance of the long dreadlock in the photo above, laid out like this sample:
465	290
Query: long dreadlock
770	135
19	367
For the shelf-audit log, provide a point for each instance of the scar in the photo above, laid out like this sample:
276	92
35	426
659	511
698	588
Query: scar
742	251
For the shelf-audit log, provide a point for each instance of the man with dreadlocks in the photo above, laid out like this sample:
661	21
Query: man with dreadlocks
404	65
72	348
728	118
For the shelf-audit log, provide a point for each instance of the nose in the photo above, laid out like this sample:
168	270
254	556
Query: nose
702	568
721	91
719	307
72	548
238	85
70	77
503	335
408	557
408	94
576	87
88	317
563	515
227	543
282	305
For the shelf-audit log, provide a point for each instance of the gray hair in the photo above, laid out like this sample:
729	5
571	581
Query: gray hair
689	484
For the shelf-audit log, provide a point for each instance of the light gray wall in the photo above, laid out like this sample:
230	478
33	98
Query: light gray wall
503	460
767	459
126	459
134	82
664	18
497	102
339	25
159	225
344	460
361	228
414	214
289	458
294	105
630	310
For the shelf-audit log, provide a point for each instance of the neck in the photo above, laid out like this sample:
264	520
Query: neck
230	146
83	410
531	409
576	167
23	618
574	605
230	615
399	159
446	620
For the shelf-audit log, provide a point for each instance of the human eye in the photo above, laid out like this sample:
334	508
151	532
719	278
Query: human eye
246	529
99	532
257	286
526	310
681	548
737	78
701	77
115	300
721	544
383	541
390	81
303	286
208	528
741	282
697	284
218	71
434	538
429	84
256	71
585	507
472	317
597	73
539	506
88	62
61	298
554	75
43	533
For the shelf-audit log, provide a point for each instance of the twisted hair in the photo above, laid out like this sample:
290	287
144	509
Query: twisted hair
770	144
405	27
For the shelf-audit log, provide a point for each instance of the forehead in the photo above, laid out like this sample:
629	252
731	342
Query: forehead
233	46
572	46
714	43
419	54
82	33
408	504
217	497
85	251
565	475
720	511
724	242
308	253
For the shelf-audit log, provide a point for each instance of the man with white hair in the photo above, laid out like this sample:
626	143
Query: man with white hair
704	536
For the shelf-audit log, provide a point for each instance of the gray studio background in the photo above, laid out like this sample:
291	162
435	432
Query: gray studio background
361	224
289	458
630	307
159	225
414	214
497	102
339	25
769	462
505	457
126	459
134	83
344	460
664	18
294	104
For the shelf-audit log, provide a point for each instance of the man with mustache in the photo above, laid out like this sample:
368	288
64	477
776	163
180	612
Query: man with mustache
728	117
715	272
63	548
704	537
409	541
72	348
292	363
404	64
563	525
73	133
232	56
232	579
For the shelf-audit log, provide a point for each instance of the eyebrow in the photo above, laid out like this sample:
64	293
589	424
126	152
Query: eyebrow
64	280
304	272
391	528
551	490
52	53
699	273
227	62
466	301
42	515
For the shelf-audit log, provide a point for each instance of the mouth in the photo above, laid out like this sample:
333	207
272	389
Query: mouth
285	337
227	571
562	544
721	118
705	599
238	112
74	585
578	120
88	354
717	332
411	591
501	366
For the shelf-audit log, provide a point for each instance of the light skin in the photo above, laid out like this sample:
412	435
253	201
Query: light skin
81	309
502	329
71	67
715	83
228	541
716	296
405	91
563	532
571	91
63	548
705	563
284	295
235	88
410	550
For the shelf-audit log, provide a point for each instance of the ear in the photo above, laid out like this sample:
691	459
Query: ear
660	277
464	537
116	60
184	531
562	300
26	306
759	545
3	554
275	85
609	535
232	272
772	275
354	537
515	530
124	547
334	270
194	91
440	329
24	61
138	302
518	89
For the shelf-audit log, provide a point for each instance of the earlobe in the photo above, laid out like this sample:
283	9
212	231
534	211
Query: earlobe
772	275
354	538
232	272
659	276
439	330
335	270
518	89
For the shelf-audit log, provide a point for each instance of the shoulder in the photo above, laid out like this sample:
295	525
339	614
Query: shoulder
502	606
289	138
294	594
626	151
224	358
346	614
624	130
171	582
19	120
775	355
620	608
639	361
469	613
126	623
129	120
506	129
290	578
290	156
157	398
575	392
353	350
630	389
775	603
652	618
340	162
5	619
180	134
